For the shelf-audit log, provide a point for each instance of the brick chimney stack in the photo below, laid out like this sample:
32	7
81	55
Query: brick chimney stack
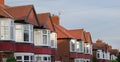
1	1
55	19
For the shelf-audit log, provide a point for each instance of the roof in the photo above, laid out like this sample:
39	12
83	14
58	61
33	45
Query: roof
88	37
62	32
1	1
78	34
24	13
100	45
46	21
114	51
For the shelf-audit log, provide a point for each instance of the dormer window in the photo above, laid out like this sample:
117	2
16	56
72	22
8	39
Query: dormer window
6	29
24	33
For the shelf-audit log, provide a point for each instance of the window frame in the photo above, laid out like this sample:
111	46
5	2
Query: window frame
7	34
20	37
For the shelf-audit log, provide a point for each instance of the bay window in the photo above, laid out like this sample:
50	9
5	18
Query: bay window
24	33
6	29
42	37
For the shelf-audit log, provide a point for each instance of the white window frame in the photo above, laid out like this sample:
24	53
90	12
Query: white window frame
22	31
73	42
38	37
9	24
53	39
40	58
80	46
22	55
78	60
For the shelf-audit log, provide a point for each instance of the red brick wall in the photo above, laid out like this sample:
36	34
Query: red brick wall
24	47
42	50
63	50
7	46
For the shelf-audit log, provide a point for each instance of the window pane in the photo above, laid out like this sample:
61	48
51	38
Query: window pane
26	32
44	39
19	57
44	31
52	42
26	35
26	57
45	58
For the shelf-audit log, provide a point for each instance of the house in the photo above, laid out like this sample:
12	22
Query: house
16	33
83	45
113	53
45	39
101	51
63	42
28	35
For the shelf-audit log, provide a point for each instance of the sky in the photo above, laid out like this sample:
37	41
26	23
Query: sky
99	17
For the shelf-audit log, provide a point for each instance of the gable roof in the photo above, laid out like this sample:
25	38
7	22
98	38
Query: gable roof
46	21
78	34
62	32
88	37
24	13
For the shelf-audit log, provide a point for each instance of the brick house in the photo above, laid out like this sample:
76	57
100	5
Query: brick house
101	51
24	36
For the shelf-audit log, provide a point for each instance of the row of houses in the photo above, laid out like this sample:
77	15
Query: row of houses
32	37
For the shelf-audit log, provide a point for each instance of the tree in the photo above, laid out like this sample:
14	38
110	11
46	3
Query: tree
94	59
118	57
11	59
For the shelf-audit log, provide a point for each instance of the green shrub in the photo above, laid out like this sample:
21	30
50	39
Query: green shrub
11	59
113	61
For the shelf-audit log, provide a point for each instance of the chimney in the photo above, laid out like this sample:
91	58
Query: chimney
55	19
1	1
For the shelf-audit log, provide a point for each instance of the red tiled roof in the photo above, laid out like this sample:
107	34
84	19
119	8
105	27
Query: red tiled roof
62	32
55	19
3	12
88	37
19	13
100	45
46	21
1	1
78	34
114	51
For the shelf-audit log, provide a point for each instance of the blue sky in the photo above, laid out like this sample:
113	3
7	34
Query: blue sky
100	17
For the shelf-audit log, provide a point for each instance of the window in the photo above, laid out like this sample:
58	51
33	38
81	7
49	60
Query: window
73	45
24	58
53	38
24	33
52	43
98	55
6	29
46	37
43	58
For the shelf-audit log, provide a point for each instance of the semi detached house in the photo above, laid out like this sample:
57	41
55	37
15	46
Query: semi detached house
31	37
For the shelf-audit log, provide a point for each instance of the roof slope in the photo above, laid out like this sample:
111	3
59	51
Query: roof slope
24	13
88	37
46	21
78	34
62	32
